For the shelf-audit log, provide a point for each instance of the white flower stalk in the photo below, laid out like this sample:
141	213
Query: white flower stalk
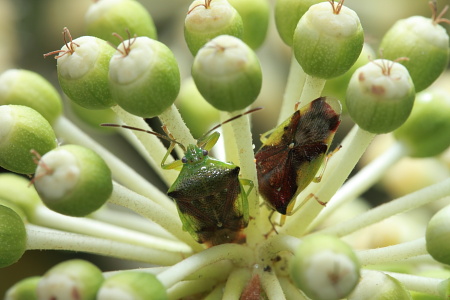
207	19
70	278
23	87
23	129
227	73
106	17
380	96
73	180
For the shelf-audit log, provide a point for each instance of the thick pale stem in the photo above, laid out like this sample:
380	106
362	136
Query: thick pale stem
41	238
392	253
336	172
240	255
155	148
45	217
311	90
399	205
236	283
271	286
171	118
295	82
169	220
361	182
70	133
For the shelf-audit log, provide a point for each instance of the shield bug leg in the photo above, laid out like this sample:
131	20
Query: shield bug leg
317	179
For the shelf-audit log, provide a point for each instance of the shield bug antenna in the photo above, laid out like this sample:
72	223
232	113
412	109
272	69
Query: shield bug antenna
210	197
293	153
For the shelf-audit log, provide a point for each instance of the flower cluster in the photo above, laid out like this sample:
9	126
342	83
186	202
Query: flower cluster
286	223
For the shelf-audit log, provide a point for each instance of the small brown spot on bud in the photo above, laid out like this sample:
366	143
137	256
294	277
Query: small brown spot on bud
361	77
378	90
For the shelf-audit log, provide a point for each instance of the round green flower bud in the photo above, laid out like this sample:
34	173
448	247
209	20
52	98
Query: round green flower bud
144	77
189	102
23	129
426	132
69	278
328	41
132	285
324	267
83	72
207	19
73	180
227	73
16	190
23	87
380	96
424	42
255	17
24	289
337	87
379	286
106	17
287	15
13	237
438	235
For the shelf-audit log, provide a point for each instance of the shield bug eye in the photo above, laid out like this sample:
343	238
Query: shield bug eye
204	152
184	159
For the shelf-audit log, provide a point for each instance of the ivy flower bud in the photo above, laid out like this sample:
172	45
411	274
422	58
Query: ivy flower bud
24	289
207	19
324	267
23	87
426	132
13	236
21	130
144	77
287	15
380	96
377	285
227	73
438	235
83	71
106	17
132	285
255	18
73	180
337	38
424	42
72	277
16	191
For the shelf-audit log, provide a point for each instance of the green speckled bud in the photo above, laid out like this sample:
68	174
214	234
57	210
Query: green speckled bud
16	190
424	42
13	236
438	235
83	74
380	96
24	289
106	17
255	16
287	15
23	87
73	180
72	277
227	73
144	77
327	44
324	267
198	114
379	286
132	285
205	23
337	87
427	131
23	129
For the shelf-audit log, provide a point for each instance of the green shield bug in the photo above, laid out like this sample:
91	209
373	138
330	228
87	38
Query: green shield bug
292	154
210	196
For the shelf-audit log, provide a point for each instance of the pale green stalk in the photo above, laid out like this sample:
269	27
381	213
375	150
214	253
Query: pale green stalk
312	89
